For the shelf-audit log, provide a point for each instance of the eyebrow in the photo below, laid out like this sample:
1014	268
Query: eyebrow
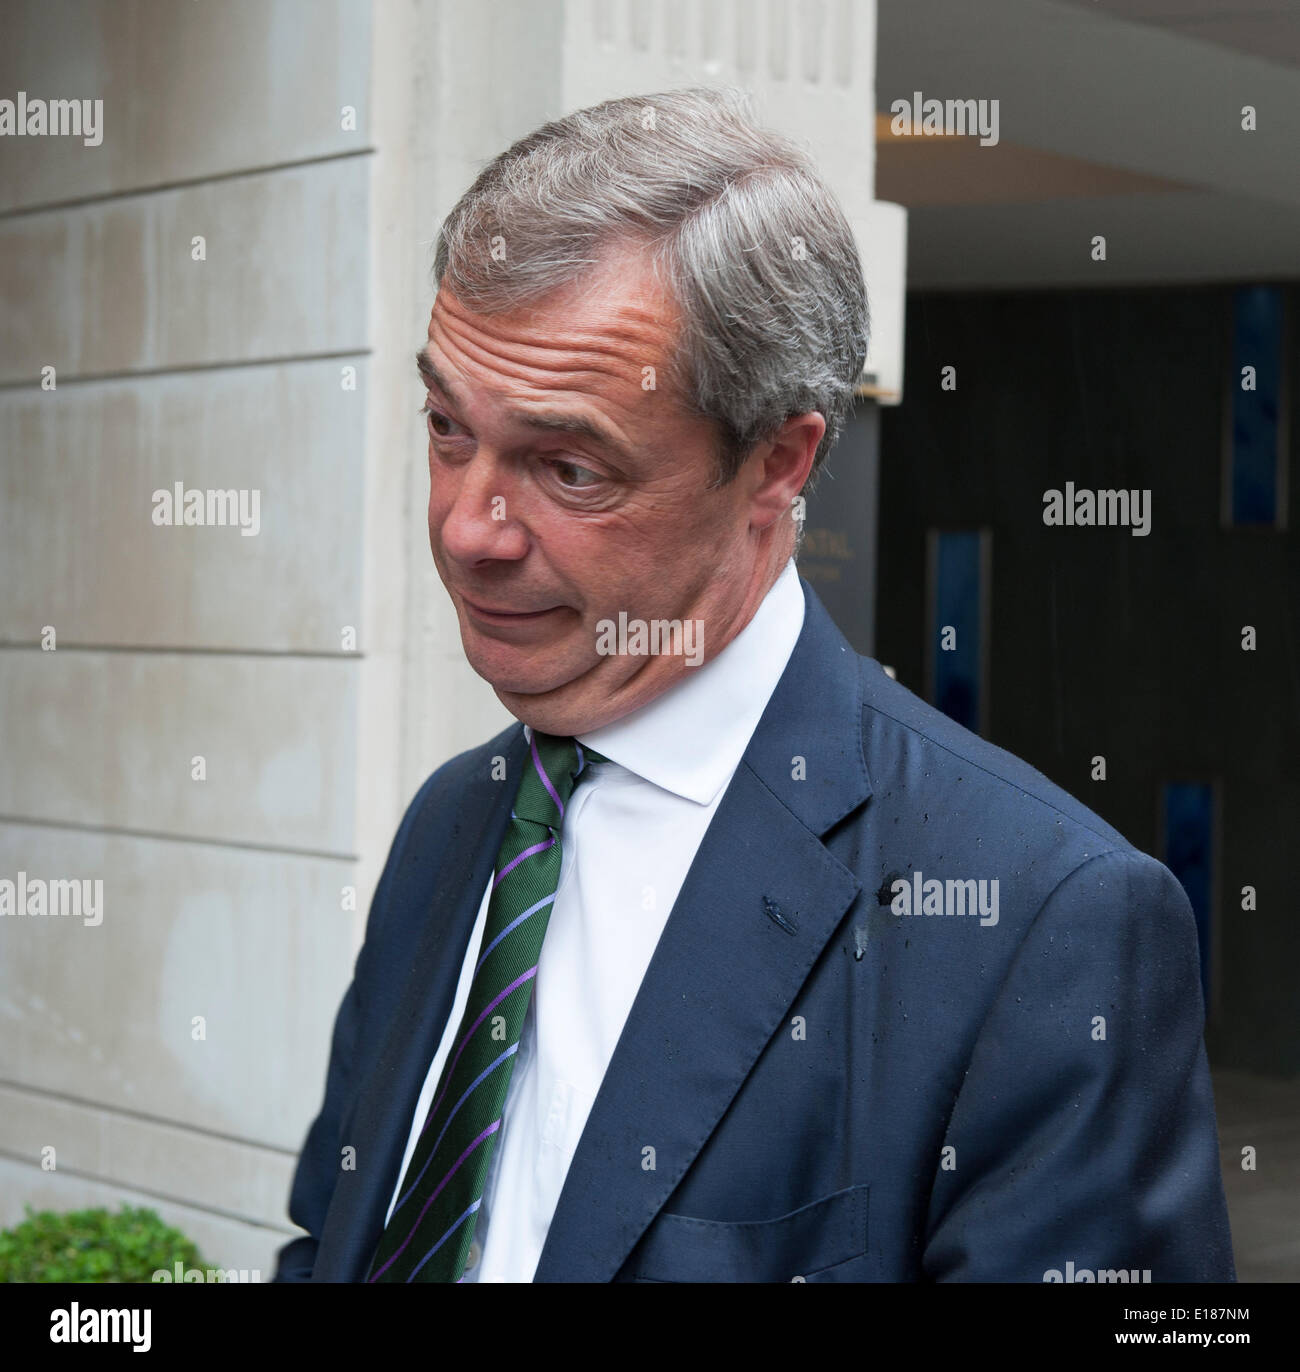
578	424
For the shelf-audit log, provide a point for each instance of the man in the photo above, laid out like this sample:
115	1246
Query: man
652	986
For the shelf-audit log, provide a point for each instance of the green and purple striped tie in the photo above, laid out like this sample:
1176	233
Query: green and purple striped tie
428	1236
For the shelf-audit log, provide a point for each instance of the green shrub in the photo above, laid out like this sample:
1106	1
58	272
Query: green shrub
92	1246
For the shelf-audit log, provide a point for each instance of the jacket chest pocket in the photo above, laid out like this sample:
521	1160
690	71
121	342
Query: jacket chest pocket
808	1241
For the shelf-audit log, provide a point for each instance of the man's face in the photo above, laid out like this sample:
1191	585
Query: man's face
567	485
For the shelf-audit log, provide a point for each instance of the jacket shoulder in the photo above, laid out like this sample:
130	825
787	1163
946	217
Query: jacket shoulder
906	738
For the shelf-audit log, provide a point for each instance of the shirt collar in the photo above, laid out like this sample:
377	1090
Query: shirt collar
690	739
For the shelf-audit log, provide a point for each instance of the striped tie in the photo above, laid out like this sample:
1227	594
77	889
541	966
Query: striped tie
429	1233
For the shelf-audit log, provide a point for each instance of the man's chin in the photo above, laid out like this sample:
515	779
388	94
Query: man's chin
519	682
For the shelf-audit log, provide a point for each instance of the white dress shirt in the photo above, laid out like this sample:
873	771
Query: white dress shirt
629	836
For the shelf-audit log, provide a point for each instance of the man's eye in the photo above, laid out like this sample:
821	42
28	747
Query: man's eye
572	475
439	425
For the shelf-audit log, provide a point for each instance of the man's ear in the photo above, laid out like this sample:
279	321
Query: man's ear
782	465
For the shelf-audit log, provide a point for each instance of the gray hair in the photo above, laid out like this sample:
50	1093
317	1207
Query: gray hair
744	232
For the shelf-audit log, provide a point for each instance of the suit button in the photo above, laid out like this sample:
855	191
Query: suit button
475	1253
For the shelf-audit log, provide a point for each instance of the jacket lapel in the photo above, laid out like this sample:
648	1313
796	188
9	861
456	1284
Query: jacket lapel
758	905
379	1121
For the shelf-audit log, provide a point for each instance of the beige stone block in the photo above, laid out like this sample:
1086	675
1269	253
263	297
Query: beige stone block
251	948
186	1165
112	286
108	739
188	90
79	548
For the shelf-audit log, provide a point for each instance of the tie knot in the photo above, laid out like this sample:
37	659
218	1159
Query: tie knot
554	766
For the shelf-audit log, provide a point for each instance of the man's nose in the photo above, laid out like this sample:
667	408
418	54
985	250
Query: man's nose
481	521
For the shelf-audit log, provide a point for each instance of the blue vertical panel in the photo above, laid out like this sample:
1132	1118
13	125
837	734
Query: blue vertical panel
1256	342
957	603
1189	855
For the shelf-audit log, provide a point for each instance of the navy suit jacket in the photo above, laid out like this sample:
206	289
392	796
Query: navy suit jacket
810	1085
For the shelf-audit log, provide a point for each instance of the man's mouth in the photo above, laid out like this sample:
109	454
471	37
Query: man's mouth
505	616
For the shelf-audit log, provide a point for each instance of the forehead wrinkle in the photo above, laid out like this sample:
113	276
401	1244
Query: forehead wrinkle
627	326
654	308
600	359
633	324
